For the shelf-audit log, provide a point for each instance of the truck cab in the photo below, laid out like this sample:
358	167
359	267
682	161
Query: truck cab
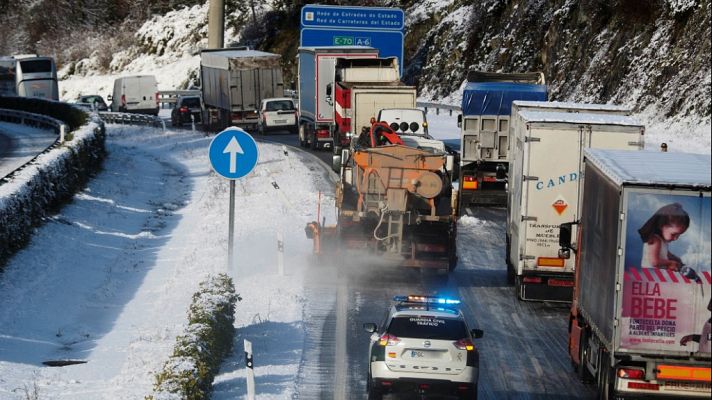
411	125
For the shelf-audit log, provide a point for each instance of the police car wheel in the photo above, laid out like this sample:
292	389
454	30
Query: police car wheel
374	394
470	394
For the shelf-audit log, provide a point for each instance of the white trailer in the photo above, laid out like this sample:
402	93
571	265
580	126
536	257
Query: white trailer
545	182
640	321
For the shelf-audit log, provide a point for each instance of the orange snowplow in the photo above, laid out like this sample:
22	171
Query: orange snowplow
394	201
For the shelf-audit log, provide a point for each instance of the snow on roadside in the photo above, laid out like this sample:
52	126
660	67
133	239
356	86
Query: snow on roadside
109	278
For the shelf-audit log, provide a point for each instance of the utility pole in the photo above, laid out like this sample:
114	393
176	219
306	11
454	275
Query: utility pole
216	24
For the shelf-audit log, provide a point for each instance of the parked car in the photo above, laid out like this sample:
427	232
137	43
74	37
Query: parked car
92	102
277	114
186	106
135	94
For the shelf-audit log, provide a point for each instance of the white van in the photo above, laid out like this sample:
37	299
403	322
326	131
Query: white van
135	94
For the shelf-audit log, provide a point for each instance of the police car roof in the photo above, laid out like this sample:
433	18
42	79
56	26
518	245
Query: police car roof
404	309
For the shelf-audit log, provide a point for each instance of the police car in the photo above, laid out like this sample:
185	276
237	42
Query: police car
423	346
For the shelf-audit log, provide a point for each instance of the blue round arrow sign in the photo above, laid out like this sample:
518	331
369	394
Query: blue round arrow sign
233	153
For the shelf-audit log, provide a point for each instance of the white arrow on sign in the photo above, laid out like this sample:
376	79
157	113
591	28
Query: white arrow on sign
233	148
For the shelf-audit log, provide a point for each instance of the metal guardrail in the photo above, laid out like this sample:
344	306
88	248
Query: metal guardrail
35	121
171	96
438	107
132	119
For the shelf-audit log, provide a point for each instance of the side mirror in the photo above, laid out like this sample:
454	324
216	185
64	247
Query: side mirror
370	327
336	162
565	235
108	97
459	121
477	333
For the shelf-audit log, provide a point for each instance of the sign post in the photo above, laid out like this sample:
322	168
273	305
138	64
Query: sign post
233	154
377	27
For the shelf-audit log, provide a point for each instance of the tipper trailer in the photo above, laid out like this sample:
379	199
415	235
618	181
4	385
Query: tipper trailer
316	73
544	184
640	320
233	83
486	110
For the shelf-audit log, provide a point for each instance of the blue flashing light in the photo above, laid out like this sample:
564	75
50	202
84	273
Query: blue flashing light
426	299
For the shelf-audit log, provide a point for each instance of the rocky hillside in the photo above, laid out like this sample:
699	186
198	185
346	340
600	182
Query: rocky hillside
652	55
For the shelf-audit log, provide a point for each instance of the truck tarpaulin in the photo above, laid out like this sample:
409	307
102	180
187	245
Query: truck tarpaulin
667	282
495	98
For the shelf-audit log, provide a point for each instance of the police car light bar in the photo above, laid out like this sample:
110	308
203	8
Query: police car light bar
426	299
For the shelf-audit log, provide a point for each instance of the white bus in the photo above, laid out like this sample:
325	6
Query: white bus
28	76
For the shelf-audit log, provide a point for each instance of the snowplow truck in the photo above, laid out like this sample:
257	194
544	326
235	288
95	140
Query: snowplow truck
393	201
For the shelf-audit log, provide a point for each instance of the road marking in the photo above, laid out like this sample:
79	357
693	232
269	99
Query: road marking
340	365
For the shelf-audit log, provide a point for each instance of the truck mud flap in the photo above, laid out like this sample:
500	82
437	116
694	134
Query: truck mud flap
549	289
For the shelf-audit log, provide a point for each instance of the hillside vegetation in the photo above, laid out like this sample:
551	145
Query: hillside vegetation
651	55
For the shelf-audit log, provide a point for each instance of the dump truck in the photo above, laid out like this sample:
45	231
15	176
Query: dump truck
640	320
544	185
484	131
393	201
361	89
233	83
316	108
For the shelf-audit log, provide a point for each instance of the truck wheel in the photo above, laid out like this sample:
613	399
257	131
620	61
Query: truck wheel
583	354
302	136
606	379
510	267
313	144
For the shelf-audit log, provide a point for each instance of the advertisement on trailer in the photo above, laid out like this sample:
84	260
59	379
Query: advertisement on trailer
667	282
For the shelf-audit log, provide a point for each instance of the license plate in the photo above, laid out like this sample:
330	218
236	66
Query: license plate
280	121
417	354
703	387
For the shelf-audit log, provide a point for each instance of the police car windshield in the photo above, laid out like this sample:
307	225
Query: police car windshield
428	327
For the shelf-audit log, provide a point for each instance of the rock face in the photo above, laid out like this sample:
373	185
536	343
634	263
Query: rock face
641	53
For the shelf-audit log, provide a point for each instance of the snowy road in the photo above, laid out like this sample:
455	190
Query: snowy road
109	278
19	144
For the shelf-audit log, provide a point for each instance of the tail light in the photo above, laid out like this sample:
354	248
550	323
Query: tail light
532	279
489	179
469	182
643	386
388	340
631	373
184	109
123	100
465	344
264	116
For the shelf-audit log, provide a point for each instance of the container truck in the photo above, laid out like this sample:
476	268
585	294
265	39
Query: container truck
362	88
484	123
544	184
316	73
233	83
640	320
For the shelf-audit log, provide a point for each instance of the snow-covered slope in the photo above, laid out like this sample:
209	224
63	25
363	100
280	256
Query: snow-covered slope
651	59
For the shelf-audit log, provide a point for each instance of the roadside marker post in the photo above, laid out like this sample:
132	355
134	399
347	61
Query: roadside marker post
250	370
233	154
